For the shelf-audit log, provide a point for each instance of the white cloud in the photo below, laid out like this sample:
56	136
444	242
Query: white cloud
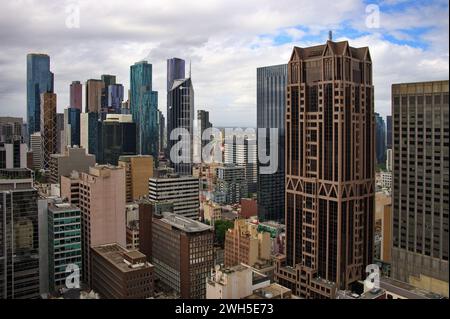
222	38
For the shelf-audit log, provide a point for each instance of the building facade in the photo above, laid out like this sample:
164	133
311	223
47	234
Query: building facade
182	253
64	242
175	71
270	111
138	170
182	191
48	128
19	269
73	159
101	199
420	180
330	180
230	185
76	95
119	273
180	115
39	80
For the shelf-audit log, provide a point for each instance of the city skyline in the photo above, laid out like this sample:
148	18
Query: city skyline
242	44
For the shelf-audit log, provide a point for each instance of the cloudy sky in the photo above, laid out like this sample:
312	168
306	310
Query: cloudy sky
226	40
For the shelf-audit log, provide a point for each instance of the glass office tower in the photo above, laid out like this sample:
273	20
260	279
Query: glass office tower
39	80
144	108
271	110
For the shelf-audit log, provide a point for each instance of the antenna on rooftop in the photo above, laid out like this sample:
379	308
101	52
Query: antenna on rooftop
330	35
190	67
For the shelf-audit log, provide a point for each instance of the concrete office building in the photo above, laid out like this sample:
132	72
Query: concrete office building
73	159
244	155
19	255
118	273
182	253
330	168
420	182
101	196
271	109
230	185
138	170
94	89
13	155
389	160
48	128
76	95
244	244
182	191
36	148
11	129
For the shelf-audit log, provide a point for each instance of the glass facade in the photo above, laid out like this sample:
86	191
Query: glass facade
180	114
271	110
144	108
64	242
116	139
19	243
39	80
175	71
380	139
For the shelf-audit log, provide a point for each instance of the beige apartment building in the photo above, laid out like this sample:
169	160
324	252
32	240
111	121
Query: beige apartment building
211	212
101	197
138	169
244	244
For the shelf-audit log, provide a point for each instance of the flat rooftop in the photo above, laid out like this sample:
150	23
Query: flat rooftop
116	255
274	290
183	223
406	290
61	207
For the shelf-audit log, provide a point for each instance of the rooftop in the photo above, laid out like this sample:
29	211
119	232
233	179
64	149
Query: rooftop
406	290
123	259
183	223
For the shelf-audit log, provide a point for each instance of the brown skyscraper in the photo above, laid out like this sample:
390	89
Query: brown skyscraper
330	176
48	127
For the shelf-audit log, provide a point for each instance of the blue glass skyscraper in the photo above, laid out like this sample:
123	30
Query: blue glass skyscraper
39	80
144	108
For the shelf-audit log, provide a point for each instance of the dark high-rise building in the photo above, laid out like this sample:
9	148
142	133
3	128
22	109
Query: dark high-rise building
330	170
90	129
389	132
203	124
271	109
19	242
117	138
76	96
39	80
180	115
72	126
144	108
162	132
48	126
380	139
420	182
175	71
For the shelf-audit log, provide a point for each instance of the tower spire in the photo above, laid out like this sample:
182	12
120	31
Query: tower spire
330	35
190	67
